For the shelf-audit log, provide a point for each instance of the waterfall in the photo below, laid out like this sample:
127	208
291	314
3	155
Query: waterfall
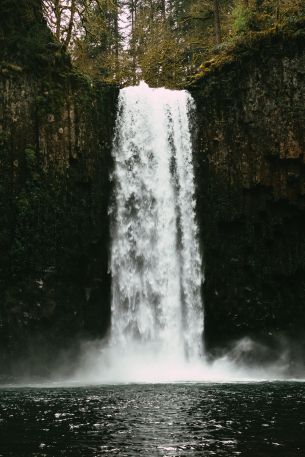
157	311
155	257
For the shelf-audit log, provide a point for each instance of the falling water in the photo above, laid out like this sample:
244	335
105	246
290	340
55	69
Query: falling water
157	312
155	256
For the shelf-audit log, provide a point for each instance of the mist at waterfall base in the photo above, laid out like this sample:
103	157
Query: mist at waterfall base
157	312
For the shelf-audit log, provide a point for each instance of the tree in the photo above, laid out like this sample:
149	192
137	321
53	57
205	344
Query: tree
20	14
97	45
217	22
62	16
162	41
23	31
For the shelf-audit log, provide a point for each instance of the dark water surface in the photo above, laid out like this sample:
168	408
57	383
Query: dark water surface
266	419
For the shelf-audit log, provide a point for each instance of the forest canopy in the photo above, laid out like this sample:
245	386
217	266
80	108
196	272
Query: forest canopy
161	41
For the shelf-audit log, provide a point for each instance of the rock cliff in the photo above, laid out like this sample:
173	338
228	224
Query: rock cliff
56	132
250	175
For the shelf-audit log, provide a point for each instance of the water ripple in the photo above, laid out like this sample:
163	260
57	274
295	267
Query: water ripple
250	420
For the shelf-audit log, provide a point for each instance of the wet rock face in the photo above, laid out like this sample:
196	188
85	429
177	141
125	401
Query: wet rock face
56	132
250	176
55	141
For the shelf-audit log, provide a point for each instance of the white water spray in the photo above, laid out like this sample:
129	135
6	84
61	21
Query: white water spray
155	257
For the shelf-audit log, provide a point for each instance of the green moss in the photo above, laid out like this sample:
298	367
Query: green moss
30	157
241	19
247	46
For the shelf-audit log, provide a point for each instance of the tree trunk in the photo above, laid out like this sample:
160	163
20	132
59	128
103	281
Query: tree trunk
217	22
277	11
133	43
57	13
116	38
71	22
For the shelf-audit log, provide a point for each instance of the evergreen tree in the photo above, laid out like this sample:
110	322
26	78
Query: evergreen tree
162	41
23	32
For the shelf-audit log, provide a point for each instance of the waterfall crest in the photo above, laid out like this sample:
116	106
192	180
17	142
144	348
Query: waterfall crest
155	257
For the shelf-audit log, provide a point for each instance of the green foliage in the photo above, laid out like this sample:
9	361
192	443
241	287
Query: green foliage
30	157
112	41
241	18
161	41
247	45
26	43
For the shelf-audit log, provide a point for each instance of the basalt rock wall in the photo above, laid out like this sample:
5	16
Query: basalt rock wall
56	132
250	177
